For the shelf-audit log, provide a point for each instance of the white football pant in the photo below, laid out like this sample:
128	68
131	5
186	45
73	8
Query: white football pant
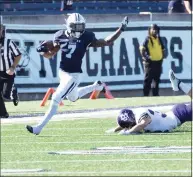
68	87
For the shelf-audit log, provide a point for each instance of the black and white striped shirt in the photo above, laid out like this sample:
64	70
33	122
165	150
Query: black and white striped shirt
8	51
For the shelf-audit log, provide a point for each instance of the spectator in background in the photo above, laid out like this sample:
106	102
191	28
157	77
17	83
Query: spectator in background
66	5
9	59
152	52
176	6
180	6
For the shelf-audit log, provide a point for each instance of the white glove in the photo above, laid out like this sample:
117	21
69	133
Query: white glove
124	23
112	130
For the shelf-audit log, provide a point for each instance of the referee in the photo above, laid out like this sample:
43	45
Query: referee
152	52
9	59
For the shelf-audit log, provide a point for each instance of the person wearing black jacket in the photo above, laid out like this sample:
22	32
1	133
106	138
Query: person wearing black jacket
9	59
180	6
152	52
176	6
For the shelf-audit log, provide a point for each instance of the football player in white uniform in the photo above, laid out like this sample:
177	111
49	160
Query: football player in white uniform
148	120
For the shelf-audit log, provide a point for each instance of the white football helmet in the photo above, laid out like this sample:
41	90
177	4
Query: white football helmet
75	24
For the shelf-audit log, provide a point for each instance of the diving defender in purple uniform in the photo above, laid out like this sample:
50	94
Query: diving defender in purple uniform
148	120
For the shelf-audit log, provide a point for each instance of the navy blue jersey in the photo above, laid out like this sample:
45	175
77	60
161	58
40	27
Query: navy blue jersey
73	49
183	112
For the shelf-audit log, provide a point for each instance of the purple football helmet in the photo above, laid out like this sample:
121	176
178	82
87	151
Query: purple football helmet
126	118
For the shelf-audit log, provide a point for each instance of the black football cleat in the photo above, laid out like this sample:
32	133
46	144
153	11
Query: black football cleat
31	130
103	90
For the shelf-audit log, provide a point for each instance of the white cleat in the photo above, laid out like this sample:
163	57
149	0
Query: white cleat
174	81
99	86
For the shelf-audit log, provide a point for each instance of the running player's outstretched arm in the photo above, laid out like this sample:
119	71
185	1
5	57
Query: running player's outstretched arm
110	39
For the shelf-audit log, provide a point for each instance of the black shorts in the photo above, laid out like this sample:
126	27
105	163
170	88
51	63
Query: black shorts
176	7
6	84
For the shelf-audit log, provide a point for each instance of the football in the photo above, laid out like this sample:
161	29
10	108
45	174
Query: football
50	46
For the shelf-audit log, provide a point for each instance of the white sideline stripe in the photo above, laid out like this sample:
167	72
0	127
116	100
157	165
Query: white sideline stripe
86	142
59	117
80	161
75	116
113	172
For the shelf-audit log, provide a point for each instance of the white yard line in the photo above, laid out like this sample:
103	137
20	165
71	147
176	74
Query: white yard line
89	142
94	160
105	172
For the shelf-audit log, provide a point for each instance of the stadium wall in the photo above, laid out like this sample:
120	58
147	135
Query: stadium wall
120	65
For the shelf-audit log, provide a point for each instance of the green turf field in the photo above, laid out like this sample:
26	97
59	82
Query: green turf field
21	150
